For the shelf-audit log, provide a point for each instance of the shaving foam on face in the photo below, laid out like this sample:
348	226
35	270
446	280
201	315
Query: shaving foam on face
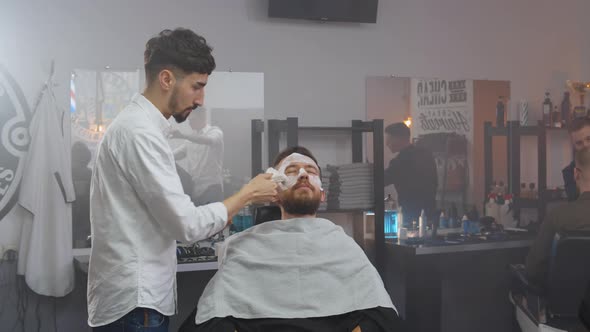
278	178
292	179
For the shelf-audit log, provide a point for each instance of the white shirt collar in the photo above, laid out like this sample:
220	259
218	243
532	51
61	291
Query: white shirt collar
154	113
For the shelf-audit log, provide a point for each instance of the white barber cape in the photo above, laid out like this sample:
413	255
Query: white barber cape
46	191
296	268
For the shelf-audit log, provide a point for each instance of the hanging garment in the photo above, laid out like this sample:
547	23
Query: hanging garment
46	256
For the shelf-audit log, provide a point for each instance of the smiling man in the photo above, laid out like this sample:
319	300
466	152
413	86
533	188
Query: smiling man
579	131
300	273
138	209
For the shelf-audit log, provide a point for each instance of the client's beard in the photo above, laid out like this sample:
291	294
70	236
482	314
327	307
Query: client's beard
302	206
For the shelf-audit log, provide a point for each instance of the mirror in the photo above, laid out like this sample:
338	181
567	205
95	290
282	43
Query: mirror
211	168
446	117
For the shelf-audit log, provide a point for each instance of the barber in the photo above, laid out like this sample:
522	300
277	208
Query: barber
138	206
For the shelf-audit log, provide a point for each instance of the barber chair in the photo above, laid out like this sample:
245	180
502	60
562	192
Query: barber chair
266	213
585	309
555	305
261	215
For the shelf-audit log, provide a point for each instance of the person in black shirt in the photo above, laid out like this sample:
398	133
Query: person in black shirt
412	172
580	135
572	216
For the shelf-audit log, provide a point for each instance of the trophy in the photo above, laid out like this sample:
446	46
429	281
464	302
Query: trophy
579	88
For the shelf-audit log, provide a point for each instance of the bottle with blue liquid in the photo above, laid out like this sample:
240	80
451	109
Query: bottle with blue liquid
466	224
443	221
243	220
390	222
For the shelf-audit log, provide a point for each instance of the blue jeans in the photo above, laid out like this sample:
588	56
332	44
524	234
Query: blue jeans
138	320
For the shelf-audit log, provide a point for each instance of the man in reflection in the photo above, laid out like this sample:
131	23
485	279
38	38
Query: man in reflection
81	175
203	150
412	171
579	131
572	216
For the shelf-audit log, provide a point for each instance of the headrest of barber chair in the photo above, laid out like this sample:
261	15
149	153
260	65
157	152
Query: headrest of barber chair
266	213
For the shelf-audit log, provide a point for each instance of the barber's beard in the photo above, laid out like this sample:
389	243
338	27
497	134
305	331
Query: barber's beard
301	205
173	105
181	117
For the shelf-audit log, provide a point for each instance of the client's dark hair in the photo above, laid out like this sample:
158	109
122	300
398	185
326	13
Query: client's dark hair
295	149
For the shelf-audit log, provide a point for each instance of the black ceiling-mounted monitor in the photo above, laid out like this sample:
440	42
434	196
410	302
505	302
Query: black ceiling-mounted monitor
361	11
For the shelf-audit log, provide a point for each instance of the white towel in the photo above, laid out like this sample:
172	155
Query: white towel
296	268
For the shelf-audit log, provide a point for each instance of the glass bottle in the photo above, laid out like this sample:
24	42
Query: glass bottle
547	107
524	193
566	107
390	222
500	112
555	118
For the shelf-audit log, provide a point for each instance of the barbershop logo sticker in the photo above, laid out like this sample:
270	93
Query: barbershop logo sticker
15	117
442	106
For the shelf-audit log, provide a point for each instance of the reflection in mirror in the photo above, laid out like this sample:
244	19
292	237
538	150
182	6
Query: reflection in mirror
443	158
219	162
96	97
212	148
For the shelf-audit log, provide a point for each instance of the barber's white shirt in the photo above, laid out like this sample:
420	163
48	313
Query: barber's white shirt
138	210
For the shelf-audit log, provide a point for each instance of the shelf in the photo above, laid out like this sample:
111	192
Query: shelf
552	200
529	203
327	128
498	131
196	266
521	131
556	129
528	130
346	210
513	132
81	263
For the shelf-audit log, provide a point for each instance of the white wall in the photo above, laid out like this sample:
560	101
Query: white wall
314	71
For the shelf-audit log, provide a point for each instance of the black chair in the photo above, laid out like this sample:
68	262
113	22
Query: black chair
556	304
585	309
266	213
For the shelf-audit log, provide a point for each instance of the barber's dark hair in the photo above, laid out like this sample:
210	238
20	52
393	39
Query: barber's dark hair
177	50
295	149
578	123
398	129
582	158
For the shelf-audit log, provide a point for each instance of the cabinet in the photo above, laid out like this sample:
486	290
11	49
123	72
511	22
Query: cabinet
513	131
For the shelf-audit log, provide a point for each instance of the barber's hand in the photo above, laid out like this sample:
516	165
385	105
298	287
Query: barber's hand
176	134
262	189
